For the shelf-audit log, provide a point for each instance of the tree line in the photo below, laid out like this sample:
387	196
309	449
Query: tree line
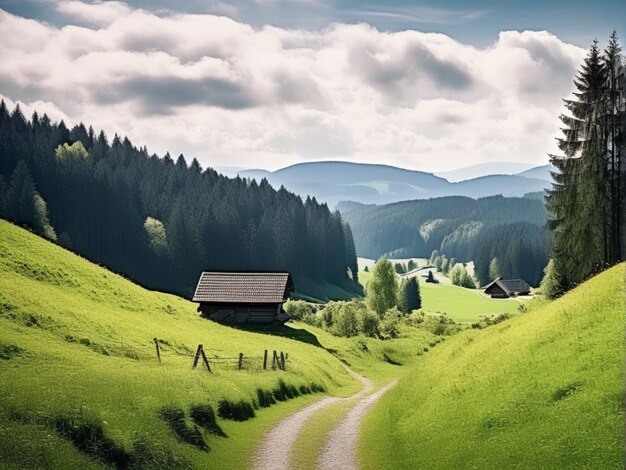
586	201
511	229
160	221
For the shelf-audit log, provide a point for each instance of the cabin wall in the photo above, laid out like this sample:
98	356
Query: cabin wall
241	313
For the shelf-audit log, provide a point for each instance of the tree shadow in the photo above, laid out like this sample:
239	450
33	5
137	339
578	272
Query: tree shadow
284	331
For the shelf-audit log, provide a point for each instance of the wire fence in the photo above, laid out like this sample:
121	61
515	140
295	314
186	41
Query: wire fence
277	360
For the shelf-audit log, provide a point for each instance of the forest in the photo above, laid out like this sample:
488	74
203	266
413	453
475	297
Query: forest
160	221
511	229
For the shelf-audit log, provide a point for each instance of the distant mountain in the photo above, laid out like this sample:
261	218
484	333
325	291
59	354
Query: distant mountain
484	169
332	182
539	172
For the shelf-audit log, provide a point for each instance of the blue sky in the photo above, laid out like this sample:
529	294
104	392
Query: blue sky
477	22
427	86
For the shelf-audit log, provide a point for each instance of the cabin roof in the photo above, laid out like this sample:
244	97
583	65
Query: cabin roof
510	286
243	287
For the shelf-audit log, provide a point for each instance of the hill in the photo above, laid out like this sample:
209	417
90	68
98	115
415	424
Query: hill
484	169
542	390
332	182
539	172
81	387
510	229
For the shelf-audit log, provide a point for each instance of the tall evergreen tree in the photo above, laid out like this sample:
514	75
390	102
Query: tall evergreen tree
582	202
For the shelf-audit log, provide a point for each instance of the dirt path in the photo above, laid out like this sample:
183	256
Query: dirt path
275	449
340	449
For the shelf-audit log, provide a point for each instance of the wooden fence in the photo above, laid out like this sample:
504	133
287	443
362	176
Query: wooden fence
240	362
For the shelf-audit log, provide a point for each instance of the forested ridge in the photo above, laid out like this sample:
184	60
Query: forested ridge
161	221
510	229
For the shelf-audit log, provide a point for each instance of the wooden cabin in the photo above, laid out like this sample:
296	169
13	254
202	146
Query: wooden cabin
243	297
505	288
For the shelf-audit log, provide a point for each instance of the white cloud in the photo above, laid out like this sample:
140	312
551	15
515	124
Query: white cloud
99	13
232	95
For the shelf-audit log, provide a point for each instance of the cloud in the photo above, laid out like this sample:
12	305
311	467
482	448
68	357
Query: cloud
99	13
234	95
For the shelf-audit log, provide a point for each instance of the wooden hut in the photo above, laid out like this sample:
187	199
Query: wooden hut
505	288
243	297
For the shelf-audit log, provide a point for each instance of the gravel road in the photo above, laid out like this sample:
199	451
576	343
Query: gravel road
275	449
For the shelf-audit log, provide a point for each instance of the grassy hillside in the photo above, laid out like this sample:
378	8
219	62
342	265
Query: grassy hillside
78	370
542	390
462	305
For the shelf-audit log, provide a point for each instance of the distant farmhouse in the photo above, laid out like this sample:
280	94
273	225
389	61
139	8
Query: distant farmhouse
243	297
505	288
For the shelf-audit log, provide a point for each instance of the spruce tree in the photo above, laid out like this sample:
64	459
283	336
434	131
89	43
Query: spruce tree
579	201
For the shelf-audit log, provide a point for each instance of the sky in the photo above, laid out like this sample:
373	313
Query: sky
425	85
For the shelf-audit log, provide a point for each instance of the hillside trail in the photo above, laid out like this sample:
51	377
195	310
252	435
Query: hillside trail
274	451
340	449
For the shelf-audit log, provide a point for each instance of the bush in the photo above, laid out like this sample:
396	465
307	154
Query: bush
440	325
346	321
235	410
175	418
152	454
390	325
488	320
204	416
369	323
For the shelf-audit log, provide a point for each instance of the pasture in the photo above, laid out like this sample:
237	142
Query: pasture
542	390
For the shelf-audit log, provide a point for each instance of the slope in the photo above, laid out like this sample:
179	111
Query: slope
80	385
543	390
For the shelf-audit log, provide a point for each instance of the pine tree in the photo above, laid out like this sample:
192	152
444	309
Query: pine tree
409	297
579	201
494	269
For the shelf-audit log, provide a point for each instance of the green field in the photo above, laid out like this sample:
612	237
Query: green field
462	305
542	390
76	346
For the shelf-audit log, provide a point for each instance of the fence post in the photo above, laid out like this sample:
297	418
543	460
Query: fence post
274	360
240	360
265	360
158	351
195	359
282	360
206	361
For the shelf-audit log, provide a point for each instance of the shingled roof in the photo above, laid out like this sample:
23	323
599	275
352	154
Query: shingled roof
243	287
510	286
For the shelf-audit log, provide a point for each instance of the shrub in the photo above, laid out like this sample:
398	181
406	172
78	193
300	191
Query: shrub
151	454
87	435
235	410
369	323
440	325
488	320
265	398
204	416
299	309
390	325
347	320
175	418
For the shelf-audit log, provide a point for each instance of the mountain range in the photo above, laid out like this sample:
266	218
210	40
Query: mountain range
334	181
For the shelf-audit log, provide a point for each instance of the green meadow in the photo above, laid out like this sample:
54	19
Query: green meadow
76	347
542	390
460	304
80	384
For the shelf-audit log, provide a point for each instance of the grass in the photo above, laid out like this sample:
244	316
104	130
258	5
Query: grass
542	390
76	352
462	305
